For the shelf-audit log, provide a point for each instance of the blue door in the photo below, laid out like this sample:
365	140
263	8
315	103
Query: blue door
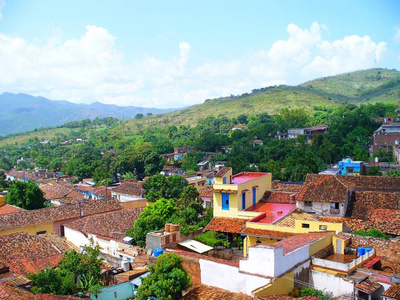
244	201
254	195
225	201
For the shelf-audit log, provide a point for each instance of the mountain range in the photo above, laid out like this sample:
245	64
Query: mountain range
23	112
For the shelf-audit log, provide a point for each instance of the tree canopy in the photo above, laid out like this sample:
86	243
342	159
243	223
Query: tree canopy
166	281
26	195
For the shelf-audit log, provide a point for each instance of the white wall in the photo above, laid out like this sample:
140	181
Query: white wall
76	237
229	278
270	261
330	283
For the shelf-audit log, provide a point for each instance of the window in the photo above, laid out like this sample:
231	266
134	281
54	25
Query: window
323	227
225	201
305	225
335	205
350	170
41	232
307	203
224	180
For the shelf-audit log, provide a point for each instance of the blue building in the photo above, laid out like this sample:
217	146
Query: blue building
350	167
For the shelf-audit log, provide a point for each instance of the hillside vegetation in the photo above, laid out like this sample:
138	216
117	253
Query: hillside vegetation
361	87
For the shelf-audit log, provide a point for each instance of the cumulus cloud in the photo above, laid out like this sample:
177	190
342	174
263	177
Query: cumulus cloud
91	68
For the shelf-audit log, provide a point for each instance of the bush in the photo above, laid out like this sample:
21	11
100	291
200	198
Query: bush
371	232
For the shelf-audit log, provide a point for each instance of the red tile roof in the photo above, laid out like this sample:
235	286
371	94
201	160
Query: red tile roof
231	225
353	224
203	292
110	225
55	190
366	201
286	187
393	291
48	215
323	188
130	188
368	286
266	233
298	241
8	292
279	197
223	171
22	175
385	220
206	191
9	209
24	253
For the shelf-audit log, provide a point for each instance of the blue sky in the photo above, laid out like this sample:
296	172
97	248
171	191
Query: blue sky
178	53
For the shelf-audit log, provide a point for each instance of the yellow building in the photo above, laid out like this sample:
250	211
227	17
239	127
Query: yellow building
233	194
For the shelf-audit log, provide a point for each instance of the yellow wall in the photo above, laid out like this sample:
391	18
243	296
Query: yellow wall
321	244
219	180
314	226
252	240
235	199
31	230
2	200
134	204
280	286
335	238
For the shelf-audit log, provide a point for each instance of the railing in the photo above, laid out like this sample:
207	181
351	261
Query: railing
342	266
335	211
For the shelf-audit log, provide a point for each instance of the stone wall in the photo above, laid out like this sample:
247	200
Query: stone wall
389	249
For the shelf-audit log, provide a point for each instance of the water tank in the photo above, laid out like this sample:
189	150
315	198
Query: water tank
125	265
158	252
360	251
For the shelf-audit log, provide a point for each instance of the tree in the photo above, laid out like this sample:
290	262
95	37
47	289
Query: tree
167	279
159	186
26	195
374	171
190	205
139	116
76	272
152	218
3	183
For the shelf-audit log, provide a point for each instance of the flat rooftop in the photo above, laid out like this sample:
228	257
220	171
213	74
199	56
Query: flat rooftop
246	176
273	211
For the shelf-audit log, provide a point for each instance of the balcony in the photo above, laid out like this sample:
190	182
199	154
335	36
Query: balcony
334	211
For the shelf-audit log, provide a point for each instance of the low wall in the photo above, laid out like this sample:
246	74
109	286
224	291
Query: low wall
388	249
330	283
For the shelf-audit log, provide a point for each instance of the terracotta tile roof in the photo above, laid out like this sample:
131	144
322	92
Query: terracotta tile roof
294	187
207	191
323	188
60	243
353	224
8	292
393	291
279	197
366	201
290	219
223	171
9	209
52	214
368	286
231	225
22	175
24	253
103	191
266	233
385	220
109	225
204	292
18	280
55	190
295	242
130	188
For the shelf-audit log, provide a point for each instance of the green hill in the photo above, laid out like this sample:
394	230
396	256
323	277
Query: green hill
369	86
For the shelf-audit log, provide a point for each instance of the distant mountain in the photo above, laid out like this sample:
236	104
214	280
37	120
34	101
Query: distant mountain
22	112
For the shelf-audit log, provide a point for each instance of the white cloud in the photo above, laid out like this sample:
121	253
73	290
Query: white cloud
91	68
